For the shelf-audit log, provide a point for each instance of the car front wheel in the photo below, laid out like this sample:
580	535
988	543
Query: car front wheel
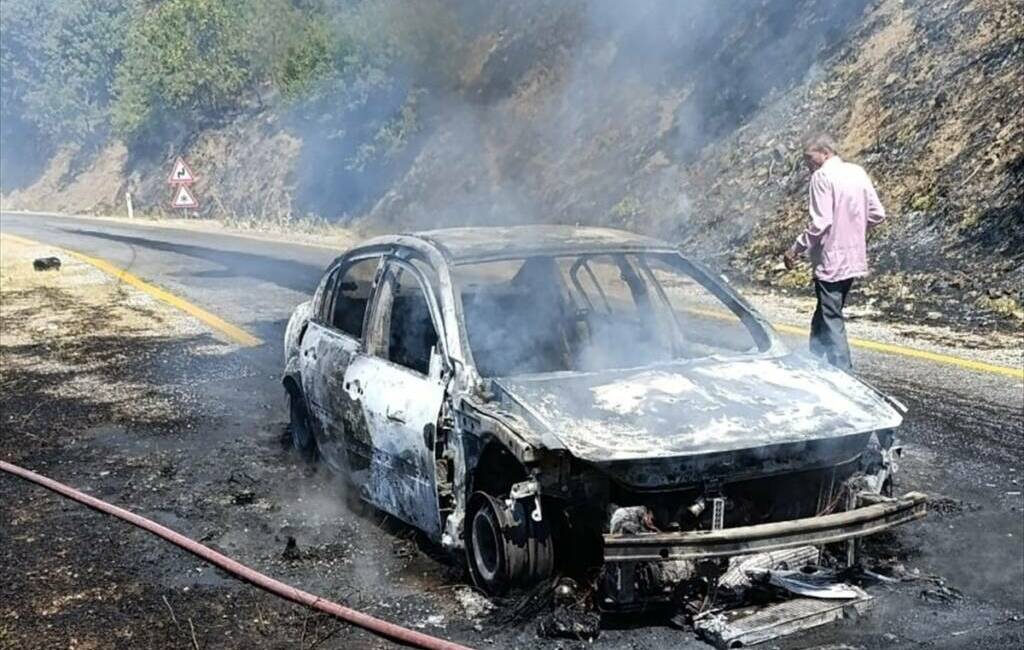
505	548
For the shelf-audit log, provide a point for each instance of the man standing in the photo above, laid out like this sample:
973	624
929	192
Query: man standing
843	205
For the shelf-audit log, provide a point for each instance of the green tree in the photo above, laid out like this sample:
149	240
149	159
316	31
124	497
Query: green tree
20	65
184	58
82	48
291	44
58	64
57	61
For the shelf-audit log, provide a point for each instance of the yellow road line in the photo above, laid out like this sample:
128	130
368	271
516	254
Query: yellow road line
232	332
887	348
890	348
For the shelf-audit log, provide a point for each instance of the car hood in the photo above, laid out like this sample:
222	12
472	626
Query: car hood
701	407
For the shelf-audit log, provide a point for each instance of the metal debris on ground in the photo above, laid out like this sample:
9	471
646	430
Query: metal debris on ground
524	606
244	498
46	264
812	582
573	615
752	625
573	620
879	577
941	592
434	620
766	596
737	575
566	590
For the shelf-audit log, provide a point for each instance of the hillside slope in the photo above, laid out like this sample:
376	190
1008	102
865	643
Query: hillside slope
927	97
680	120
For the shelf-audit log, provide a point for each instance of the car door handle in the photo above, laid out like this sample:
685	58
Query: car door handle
396	416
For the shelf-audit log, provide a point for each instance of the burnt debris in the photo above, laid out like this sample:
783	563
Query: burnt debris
46	264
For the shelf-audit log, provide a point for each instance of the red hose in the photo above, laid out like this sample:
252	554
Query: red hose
365	621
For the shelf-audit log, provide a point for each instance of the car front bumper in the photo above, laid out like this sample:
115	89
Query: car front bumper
876	514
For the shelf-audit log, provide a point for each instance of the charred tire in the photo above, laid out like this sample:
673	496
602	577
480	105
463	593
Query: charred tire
505	548
299	431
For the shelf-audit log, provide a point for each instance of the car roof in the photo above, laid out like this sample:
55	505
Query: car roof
473	244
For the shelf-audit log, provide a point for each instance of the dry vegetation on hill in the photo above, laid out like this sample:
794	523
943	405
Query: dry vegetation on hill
678	119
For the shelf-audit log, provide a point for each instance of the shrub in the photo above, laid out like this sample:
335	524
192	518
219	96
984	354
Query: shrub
184	59
58	64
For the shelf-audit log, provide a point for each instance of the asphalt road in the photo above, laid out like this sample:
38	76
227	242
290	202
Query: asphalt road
964	434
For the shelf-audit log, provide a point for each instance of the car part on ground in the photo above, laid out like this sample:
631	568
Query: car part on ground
812	582
46	264
736	576
748	626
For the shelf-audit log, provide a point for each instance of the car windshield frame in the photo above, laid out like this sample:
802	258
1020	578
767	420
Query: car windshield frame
762	334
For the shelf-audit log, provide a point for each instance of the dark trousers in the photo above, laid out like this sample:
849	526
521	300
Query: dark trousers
828	330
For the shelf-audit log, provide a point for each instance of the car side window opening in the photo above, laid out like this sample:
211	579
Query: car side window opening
348	295
324	293
404	333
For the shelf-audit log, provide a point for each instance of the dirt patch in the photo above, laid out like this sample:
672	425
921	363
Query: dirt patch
77	179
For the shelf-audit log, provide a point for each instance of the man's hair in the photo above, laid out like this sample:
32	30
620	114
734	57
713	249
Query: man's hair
820	142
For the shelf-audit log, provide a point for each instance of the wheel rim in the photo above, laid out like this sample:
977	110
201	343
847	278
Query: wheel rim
504	548
486	544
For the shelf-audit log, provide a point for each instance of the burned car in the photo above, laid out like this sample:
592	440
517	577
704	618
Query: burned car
581	400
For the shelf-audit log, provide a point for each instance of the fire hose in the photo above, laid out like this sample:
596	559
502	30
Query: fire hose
377	626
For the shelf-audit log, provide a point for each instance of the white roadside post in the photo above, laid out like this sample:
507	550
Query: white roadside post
128	202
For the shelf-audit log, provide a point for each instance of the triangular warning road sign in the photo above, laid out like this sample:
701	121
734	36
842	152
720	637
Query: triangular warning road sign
183	198
181	173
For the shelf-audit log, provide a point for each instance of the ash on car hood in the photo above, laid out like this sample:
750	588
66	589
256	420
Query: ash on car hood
708	406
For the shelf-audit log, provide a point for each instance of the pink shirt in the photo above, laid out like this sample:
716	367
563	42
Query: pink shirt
843	206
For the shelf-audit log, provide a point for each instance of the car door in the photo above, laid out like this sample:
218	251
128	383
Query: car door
333	337
399	387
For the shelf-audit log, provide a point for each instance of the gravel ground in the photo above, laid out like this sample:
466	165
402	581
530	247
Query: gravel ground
1001	348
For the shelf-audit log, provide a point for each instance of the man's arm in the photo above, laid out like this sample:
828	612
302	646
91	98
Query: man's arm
819	205
876	212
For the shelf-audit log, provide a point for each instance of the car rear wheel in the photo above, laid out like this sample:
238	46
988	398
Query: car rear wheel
298	428
505	548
